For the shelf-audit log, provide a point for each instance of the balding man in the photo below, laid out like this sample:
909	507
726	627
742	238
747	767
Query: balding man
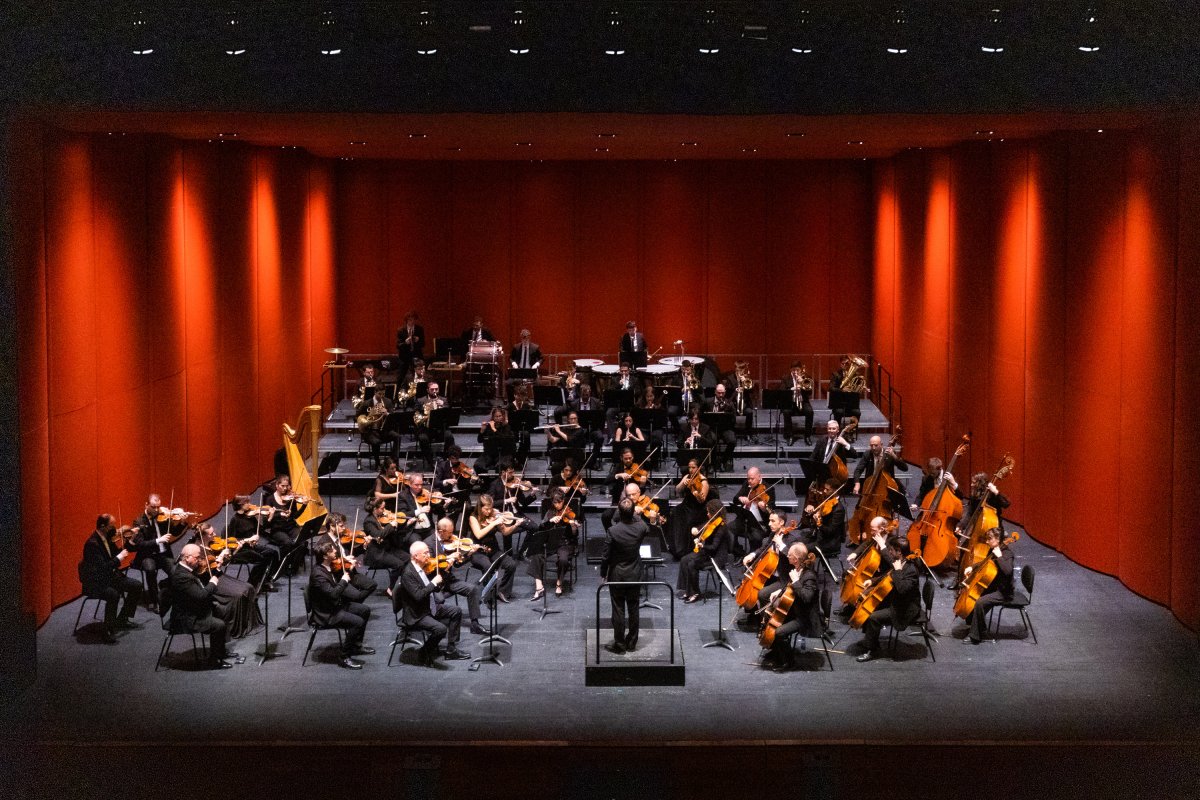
422	607
192	601
751	511
154	544
804	615
438	542
876	459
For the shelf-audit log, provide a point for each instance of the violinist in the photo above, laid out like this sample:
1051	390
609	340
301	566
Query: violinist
693	490
714	546
234	599
332	531
875	459
450	474
999	591
632	349
824	532
625	472
433	400
281	527
555	514
336	603
571	482
525	354
901	607
726	440
780	539
389	483
423	610
799	384
492	532
751	506
410	343
417	505
247	526
521	403
982	490
831	444
101	575
193	588
804	615
157	529
476	333
443	542
509	492
497	439
643	507
387	543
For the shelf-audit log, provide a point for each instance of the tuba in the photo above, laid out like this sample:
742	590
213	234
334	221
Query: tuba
855	379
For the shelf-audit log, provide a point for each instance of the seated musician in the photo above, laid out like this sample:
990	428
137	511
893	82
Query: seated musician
567	433
510	492
632	349
554	515
247	525
443	542
433	400
521	402
751	511
493	532
831	444
693	490
336	603
410	344
390	482
627	431
799	386
235	600
415	389
624	381
780	540
804	615
572	386
876	458
901	607
825	532
285	508
999	591
193	587
101	575
572	483
387	542
650	400
332	531
154	537
417	505
691	396
367	383
497	439
476	333
715	547
932	475
876	537
450	475
695	435
423	610
372	424
622	474
982	490
525	354
726	439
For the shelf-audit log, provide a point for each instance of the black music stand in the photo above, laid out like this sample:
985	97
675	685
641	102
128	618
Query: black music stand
639	450
718	421
685	454
558	456
489	580
546	540
650	419
815	472
651	556
591	420
846	402
635	358
442	418
549	396
308	531
517	374
444	347
621	399
899	503
776	400
721	639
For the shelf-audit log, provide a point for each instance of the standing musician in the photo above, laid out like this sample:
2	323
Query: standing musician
438	542
387	544
722	404
332	531
234	601
336	603
192	602
476	333
876	458
622	561
156	530
622	474
525	354
372	423
932	475
804	615
247	526
521	402
800	385
751	510
902	605
780	540
497	439
982	490
715	546
824	532
999	591
101	575
423	610
692	489
433	400
410	344
492	533
633	346
832	443
555	514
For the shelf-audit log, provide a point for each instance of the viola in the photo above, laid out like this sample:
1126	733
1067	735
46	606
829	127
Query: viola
463	471
982	574
932	535
708	530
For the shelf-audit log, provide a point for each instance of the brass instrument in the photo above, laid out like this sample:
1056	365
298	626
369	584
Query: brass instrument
855	378
744	384
421	416
372	419
408	393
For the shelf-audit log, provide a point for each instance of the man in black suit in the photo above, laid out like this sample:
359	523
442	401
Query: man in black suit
525	354
902	605
877	458
804	615
410	344
751	511
476	333
437	543
192	602
422	609
336	603
827	531
633	346
154	543
101	576
831	444
622	561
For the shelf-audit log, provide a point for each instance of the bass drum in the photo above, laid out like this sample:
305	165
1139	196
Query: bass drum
483	353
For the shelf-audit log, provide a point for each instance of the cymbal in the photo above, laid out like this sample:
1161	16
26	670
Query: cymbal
336	351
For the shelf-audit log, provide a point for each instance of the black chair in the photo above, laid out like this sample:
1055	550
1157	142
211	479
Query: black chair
1019	603
316	628
403	634
922	621
83	604
826	601
174	626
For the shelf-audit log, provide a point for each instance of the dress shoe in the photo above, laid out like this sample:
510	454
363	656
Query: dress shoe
630	645
220	663
502	597
969	640
108	638
558	591
350	663
362	650
783	665
128	625
454	654
692	599
476	628
231	656
615	647
537	595
808	440
870	655
425	657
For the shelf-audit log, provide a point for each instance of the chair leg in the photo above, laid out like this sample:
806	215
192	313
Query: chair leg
79	616
162	651
195	650
313	636
1029	624
928	641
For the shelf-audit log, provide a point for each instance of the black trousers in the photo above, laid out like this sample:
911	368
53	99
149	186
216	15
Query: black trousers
874	624
263	558
806	410
151	562
689	572
125	587
468	589
393	562
977	619
353	620
562	562
446	624
217	632
625	619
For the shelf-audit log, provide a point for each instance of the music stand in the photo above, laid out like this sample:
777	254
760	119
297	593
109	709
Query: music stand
442	418
650	553
650	419
638	448
559	454
517	374
635	358
541	539
591	419
523	420
814	472
718	421
685	454
846	402
776	400
549	396
621	399
444	347
310	529
488	580
899	503
722	640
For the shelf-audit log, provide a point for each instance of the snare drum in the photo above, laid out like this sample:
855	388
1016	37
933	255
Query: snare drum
483	352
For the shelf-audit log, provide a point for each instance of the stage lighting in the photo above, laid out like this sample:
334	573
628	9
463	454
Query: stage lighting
517	33
141	39
426	33
898	31
233	31
801	33
331	35
614	36
993	29
1088	32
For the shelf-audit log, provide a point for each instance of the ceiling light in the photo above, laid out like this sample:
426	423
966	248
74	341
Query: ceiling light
330	34
234	34
795	135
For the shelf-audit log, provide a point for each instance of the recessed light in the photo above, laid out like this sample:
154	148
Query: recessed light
749	149
796	135
1099	130
454	149
229	135
416	136
601	149
856	142
358	143
524	144
606	136
688	144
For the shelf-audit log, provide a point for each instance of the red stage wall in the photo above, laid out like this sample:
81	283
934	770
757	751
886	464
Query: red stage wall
174	300
1036	294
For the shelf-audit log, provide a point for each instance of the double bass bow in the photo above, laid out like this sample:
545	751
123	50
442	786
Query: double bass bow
932	535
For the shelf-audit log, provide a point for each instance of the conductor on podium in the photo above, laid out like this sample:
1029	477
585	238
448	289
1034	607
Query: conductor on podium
622	561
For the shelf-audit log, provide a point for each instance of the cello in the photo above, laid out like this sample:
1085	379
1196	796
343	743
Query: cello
982	574
873	502
866	563
778	610
984	517
932	535
760	572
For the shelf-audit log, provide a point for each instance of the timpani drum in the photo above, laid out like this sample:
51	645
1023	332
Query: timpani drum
658	372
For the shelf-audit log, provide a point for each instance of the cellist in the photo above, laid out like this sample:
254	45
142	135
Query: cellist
902	605
781	541
1000	590
877	458
804	615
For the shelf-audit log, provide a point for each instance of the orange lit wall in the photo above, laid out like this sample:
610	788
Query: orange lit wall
174	300
1037	294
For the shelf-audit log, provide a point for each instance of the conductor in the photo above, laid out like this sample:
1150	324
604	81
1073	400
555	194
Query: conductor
622	561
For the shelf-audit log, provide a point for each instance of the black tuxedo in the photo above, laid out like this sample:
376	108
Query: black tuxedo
407	352
622	561
705	441
534	357
421	609
743	521
633	349
999	591
455	584
101	576
804	616
829	535
192	607
336	603
804	408
716	546
821	449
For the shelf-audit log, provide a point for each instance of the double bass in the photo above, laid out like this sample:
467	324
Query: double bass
873	502
932	535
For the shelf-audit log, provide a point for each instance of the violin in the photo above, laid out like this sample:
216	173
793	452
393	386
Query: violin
295	498
127	538
216	546
392	518
463	471
567	514
709	528
354	539
343	563
645	505
256	511
440	562
696	483
761	571
396	480
759	494
173	515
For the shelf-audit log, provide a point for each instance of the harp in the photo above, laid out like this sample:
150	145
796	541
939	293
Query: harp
300	445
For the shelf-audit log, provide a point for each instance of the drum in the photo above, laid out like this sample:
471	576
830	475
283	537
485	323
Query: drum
606	369
676	361
658	370
483	353
588	363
